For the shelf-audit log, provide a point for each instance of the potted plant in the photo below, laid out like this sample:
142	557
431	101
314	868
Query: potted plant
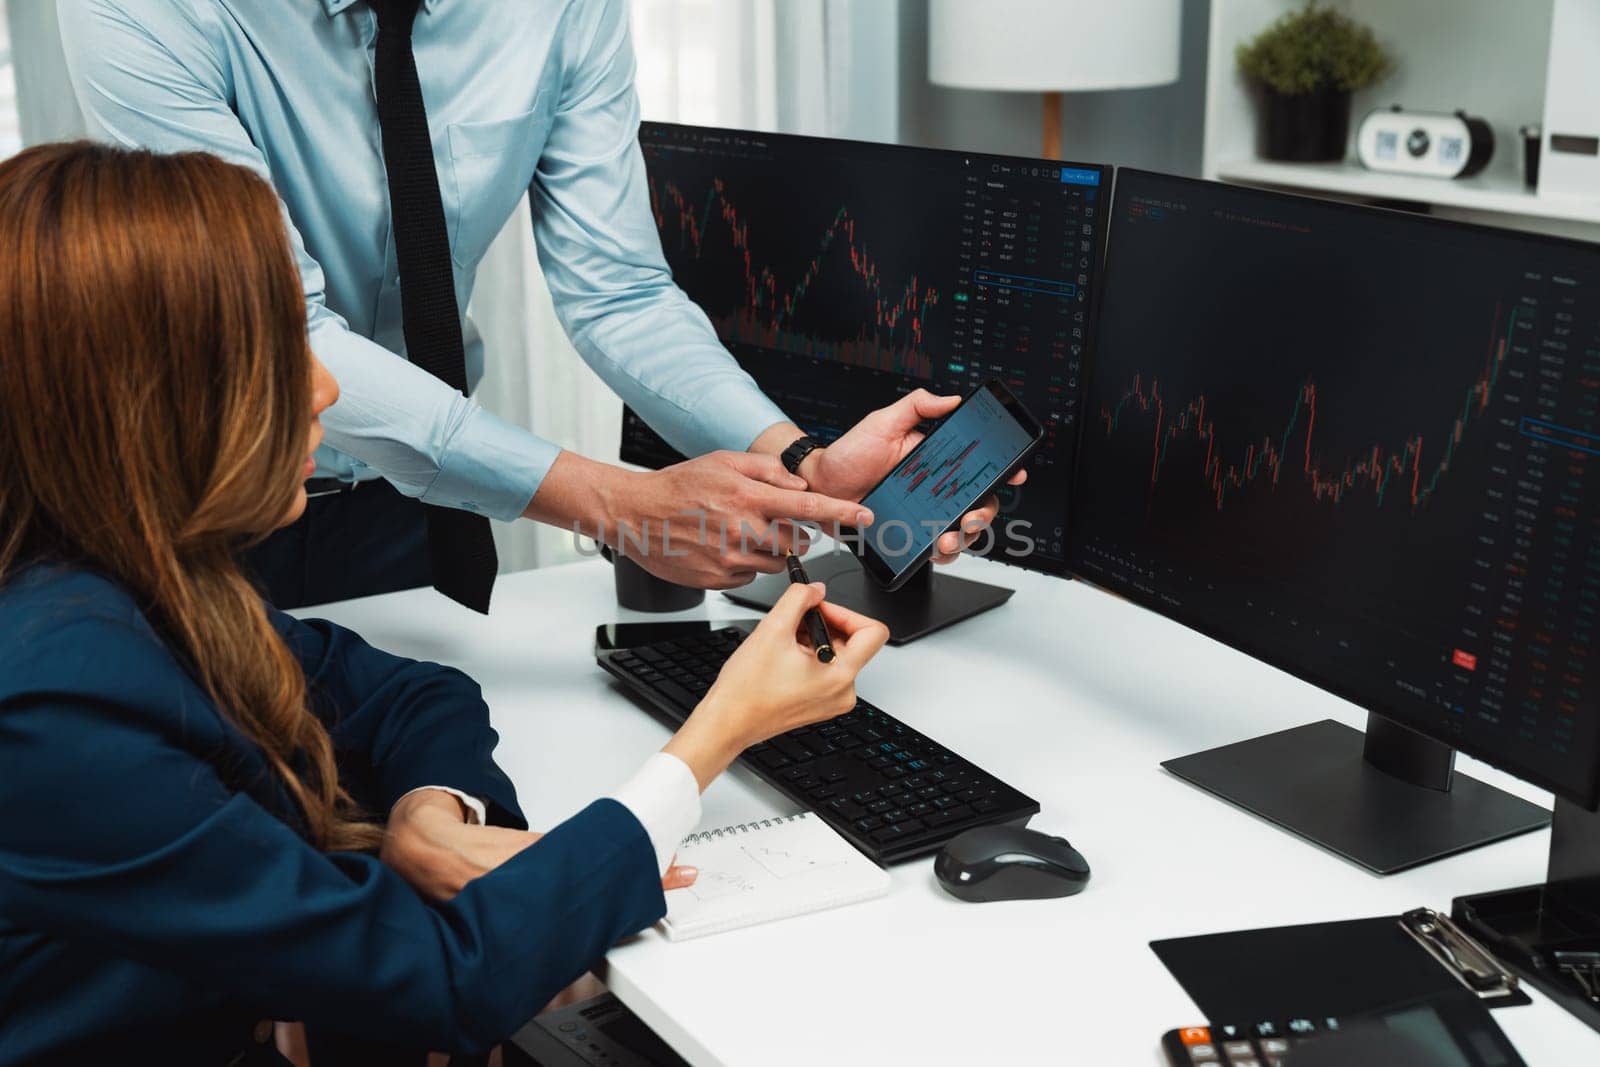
1306	65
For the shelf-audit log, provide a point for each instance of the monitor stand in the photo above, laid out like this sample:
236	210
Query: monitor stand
927	602
1386	800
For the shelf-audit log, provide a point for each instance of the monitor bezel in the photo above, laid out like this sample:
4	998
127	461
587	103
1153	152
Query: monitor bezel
1193	620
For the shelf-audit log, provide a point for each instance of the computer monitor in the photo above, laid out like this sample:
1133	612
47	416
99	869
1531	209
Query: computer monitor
1363	446
842	275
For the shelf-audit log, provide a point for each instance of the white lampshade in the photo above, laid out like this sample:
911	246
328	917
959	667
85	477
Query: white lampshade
1047	46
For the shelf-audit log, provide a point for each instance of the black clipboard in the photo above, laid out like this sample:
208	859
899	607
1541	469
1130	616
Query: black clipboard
1344	968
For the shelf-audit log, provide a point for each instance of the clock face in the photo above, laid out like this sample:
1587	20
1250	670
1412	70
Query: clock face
1417	143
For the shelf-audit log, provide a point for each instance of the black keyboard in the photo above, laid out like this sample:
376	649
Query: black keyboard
892	792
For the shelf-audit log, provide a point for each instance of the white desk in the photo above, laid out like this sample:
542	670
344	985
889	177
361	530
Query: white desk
1069	694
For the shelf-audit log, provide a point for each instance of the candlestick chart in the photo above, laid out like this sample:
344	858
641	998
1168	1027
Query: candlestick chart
881	324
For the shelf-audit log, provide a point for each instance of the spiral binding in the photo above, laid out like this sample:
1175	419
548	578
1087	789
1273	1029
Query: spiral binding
742	828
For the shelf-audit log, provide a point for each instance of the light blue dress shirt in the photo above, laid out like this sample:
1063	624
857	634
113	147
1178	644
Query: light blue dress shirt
532	95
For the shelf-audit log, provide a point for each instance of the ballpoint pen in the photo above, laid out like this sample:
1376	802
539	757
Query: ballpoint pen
814	624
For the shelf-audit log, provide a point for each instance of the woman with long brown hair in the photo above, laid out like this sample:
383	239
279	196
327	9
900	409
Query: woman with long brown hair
213	815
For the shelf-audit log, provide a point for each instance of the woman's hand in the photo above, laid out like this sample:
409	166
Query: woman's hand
429	843
774	682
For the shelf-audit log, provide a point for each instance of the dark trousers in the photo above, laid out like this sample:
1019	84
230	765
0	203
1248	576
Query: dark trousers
359	541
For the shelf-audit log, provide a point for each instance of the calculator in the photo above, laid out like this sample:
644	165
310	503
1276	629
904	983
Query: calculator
1452	1031
1261	1044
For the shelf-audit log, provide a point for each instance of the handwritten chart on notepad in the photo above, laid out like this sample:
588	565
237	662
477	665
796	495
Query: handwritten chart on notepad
766	870
747	868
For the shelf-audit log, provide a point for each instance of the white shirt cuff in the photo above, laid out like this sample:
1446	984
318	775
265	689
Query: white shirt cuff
477	815
664	796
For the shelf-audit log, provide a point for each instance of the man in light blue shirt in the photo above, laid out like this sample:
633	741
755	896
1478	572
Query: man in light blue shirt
521	95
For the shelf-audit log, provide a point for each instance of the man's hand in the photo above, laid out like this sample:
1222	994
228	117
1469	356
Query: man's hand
717	521
869	450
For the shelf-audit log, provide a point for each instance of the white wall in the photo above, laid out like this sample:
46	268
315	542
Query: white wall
1158	129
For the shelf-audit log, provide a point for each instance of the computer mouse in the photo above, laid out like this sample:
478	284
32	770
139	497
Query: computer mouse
1010	863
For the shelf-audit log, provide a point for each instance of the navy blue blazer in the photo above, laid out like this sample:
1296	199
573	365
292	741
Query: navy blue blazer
156	889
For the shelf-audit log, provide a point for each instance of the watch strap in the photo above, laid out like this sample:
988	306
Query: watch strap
802	447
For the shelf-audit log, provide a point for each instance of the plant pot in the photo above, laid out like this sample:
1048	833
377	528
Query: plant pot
1306	127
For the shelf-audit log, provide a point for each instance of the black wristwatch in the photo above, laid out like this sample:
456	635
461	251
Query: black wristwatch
802	447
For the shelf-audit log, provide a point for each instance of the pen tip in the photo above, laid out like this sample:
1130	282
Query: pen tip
825	654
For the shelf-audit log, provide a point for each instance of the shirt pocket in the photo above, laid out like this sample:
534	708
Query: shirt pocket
491	165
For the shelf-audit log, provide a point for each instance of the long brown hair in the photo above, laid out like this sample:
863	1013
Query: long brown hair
155	385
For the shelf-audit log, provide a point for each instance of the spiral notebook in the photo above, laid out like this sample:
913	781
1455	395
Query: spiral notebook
765	870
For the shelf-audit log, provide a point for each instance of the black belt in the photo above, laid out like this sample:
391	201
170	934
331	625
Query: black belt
316	487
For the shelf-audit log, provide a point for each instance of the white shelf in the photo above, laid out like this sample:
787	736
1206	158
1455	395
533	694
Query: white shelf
1491	191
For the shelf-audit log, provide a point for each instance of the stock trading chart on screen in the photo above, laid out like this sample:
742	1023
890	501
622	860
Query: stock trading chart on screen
842	275
1360	445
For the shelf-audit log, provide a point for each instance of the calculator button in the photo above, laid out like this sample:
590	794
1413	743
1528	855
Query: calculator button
1230	1031
1274	1046
1266	1029
1238	1048
1302	1026
1203	1053
1247	1063
1195	1035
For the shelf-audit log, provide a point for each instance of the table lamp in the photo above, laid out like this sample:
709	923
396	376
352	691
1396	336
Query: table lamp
1051	47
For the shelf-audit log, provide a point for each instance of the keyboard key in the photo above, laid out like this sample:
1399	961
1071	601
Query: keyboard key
677	694
866	796
878	807
985	806
894	772
773	759
846	809
948	816
877	763
910	826
868	824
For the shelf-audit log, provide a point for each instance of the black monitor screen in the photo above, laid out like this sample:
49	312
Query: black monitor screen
843	275
1360	445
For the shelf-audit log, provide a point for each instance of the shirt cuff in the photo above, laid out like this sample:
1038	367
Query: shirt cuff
492	467
735	413
664	796
477	815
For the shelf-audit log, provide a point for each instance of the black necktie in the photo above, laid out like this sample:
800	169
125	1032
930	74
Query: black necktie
459	543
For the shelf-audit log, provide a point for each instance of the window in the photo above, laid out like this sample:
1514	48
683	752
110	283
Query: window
10	130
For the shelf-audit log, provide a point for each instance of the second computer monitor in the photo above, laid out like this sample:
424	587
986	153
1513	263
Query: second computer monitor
1362	446
843	274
